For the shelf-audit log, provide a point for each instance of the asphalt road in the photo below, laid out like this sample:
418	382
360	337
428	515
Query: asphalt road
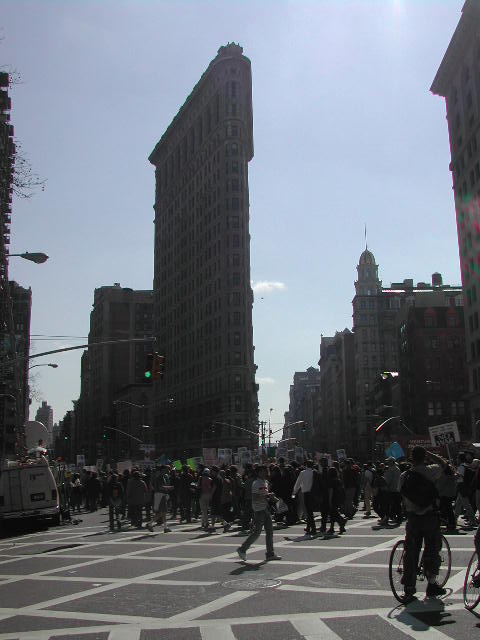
81	581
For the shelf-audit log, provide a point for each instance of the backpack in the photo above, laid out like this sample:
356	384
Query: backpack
419	489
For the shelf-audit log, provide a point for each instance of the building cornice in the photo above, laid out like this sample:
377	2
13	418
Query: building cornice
468	27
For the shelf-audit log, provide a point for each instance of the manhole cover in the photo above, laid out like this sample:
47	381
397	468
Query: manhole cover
251	583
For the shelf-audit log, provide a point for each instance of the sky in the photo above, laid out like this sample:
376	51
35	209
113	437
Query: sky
346	134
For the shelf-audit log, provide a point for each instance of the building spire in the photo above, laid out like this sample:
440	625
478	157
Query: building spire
366	245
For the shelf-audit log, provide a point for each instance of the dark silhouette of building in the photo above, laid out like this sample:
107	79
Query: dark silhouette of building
433	373
303	416
376	331
119	313
337	384
202	292
457	81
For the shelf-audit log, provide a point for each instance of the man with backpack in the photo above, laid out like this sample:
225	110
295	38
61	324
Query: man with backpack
417	486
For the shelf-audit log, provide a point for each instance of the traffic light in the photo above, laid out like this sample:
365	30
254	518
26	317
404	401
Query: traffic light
158	366
148	371
105	436
304	427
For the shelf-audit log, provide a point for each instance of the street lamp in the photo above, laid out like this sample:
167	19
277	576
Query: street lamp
399	418
45	364
38	258
144	426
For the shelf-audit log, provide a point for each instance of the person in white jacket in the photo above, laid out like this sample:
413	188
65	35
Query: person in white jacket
305	483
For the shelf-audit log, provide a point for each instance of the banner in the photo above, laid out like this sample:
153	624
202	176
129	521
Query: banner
299	454
210	457
122	465
245	457
225	457
281	450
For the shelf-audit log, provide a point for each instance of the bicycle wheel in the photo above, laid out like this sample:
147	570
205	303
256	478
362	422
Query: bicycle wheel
445	564
471	593
395	569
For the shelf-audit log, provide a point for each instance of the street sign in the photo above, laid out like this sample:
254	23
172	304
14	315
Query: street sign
444	434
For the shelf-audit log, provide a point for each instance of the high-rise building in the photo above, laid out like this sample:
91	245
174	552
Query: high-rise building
45	416
303	415
202	291
377	336
337	385
457	80
433	378
119	313
7	160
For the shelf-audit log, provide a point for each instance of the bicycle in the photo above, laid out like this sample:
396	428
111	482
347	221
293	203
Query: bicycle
471	585
395	567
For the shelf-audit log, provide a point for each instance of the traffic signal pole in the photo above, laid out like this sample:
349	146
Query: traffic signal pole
92	344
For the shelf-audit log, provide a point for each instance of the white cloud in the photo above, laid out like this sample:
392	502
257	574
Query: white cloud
265	381
267	287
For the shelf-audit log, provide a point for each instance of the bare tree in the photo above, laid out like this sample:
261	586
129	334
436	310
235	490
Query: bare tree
25	180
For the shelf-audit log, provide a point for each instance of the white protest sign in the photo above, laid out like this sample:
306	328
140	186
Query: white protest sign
341	455
442	434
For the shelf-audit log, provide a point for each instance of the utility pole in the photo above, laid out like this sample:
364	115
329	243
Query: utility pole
263	424
270	429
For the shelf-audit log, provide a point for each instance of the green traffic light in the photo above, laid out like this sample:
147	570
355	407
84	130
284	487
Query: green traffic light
148	374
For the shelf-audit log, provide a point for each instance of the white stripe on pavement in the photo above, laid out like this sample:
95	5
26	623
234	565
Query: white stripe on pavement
214	605
127	632
217	633
315	630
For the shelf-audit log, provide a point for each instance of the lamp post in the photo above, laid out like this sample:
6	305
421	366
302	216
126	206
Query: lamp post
45	364
130	424
37	257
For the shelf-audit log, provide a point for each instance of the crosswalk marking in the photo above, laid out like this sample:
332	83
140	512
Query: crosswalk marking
315	629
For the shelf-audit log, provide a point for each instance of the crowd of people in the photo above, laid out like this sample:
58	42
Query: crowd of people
223	496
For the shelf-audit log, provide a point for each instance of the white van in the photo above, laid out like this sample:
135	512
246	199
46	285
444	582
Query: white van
28	490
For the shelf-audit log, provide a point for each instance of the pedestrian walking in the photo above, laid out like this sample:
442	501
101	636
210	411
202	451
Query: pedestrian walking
136	498
304	483
336	498
261	515
161	489
205	486
114	493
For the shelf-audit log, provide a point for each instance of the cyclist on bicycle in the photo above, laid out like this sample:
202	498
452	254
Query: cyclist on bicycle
417	486
476	540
